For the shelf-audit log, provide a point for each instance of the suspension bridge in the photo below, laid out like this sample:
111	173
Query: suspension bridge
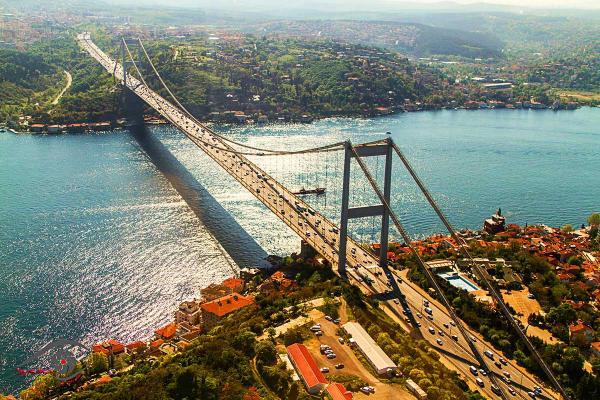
345	254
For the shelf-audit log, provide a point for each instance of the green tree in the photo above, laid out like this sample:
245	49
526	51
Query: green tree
594	219
266	352
97	363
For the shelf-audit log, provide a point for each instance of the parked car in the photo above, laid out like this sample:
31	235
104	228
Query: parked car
339	366
324	369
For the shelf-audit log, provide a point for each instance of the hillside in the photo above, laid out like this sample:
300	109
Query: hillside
410	38
25	79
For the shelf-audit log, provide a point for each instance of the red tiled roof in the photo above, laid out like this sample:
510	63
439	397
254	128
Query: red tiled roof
98	348
305	364
579	328
227	304
135	345
157	343
167	331
596	346
105	347
233	283
337	391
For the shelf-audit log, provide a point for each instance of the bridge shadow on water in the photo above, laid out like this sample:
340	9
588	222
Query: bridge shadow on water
240	246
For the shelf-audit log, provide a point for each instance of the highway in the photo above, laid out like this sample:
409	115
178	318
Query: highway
317	231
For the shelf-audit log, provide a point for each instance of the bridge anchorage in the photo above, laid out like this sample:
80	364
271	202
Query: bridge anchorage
335	245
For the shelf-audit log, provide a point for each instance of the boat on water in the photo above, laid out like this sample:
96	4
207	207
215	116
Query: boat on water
317	191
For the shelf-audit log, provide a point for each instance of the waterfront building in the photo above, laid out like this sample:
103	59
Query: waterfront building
37	128
495	224
234	284
109	346
370	350
189	311
306	367
166	332
215	310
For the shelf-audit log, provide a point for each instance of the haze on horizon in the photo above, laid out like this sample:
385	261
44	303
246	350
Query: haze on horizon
529	4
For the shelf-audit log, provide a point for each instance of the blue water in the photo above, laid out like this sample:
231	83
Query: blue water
460	282
102	235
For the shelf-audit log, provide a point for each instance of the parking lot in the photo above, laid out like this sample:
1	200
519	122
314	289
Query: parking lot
352	365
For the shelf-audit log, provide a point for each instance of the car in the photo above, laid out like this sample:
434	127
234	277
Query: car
440	332
482	372
341	340
426	303
507	380
455	338
429	317
418	324
337	320
319	333
473	370
489	354
331	356
512	391
479	382
365	390
498	364
506	374
446	325
428	310
419	315
532	395
439	341
530	296
328	318
452	323
503	361
473	339
396	301
339	366
431	330
315	328
325	369
496	390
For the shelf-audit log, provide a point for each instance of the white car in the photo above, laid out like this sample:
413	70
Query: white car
324	369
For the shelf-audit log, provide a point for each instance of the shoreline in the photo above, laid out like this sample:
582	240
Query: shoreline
92	127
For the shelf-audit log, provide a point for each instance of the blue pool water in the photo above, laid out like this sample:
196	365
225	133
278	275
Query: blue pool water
460	282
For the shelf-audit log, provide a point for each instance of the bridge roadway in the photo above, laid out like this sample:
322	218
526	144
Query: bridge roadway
315	229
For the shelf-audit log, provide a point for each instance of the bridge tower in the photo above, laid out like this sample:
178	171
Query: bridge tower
384	149
126	49
131	55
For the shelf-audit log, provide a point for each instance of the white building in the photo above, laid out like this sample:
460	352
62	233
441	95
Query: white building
371	350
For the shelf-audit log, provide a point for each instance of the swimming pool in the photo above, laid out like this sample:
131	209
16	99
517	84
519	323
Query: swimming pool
460	282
